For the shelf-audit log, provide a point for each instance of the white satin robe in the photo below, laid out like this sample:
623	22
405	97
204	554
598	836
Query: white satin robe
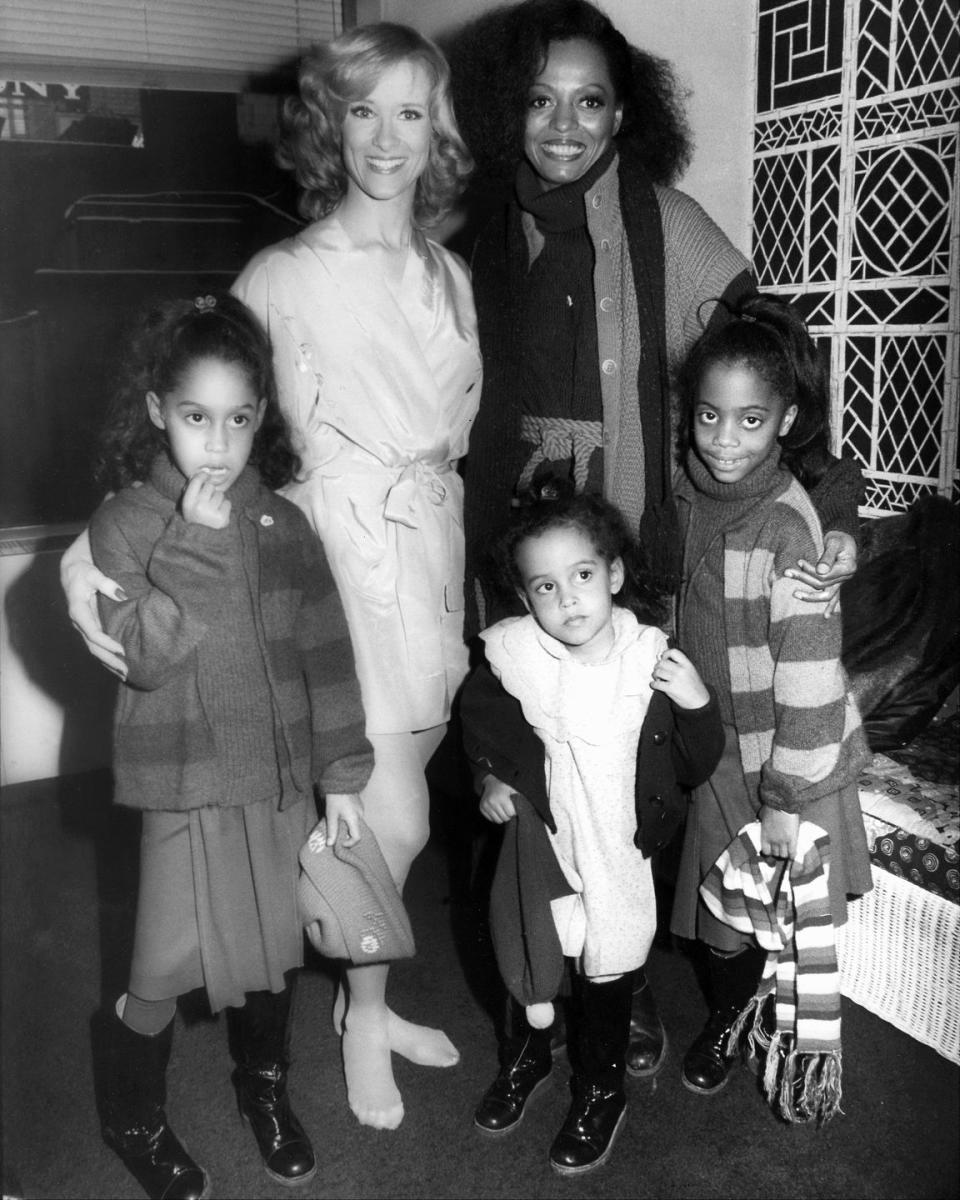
380	388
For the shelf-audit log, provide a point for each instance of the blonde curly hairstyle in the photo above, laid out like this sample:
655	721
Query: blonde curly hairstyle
334	74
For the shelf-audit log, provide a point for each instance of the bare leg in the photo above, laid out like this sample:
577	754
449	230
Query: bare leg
419	1043
396	807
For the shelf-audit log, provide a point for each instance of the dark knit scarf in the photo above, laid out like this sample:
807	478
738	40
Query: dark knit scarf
715	507
560	363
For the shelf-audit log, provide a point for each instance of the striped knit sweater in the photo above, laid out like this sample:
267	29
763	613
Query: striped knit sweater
241	683
798	727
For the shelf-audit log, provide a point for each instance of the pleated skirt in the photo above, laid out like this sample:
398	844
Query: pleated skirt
217	906
718	811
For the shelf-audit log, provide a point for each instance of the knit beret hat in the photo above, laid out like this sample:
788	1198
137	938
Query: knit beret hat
525	940
349	902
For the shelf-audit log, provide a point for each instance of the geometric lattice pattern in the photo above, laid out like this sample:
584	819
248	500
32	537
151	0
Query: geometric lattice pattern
855	220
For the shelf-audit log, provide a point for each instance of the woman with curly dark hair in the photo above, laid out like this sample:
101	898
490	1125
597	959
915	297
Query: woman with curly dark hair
591	281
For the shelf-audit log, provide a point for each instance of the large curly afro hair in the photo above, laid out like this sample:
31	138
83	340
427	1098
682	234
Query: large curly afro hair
495	58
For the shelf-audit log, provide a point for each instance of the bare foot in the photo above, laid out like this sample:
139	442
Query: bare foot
371	1090
419	1043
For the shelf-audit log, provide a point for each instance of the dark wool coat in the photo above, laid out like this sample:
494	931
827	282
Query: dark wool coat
241	681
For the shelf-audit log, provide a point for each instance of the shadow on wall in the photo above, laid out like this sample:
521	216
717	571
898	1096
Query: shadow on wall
53	660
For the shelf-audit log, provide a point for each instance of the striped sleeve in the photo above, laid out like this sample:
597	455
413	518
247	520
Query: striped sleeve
808	682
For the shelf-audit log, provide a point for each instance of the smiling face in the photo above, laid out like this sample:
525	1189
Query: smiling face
386	134
737	421
572	113
210	418
569	588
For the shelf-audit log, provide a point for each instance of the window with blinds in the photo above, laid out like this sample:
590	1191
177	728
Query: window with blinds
197	45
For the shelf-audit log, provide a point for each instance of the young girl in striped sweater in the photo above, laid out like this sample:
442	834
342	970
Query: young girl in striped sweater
755	408
240	696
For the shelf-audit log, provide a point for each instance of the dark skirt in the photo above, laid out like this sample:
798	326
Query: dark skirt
217	906
720	808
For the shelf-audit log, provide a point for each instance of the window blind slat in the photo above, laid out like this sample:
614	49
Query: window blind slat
214	45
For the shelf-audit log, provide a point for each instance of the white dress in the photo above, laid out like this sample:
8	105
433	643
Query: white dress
589	716
380	386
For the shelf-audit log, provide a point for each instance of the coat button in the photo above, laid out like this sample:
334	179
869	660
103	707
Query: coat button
659	738
608	366
606	304
656	802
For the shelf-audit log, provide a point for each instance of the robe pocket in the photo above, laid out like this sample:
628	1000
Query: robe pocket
453	600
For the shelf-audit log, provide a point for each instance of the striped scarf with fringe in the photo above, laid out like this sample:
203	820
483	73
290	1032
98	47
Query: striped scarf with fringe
788	912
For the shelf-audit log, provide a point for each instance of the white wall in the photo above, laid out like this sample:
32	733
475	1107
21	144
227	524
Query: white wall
709	42
56	702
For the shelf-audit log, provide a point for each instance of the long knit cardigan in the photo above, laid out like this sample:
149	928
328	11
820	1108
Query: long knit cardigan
798	727
202	605
658	258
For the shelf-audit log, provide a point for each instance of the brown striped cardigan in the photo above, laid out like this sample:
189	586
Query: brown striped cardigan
798	727
241	683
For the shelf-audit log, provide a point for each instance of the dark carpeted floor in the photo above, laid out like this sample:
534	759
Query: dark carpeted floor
69	877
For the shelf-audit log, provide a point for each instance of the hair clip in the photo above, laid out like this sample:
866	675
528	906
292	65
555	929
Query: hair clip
747	317
205	303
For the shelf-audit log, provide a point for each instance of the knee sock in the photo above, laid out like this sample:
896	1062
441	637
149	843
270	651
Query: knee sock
148	1017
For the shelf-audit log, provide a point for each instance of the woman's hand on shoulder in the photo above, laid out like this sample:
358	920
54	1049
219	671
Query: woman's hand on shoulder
496	803
677	677
821	582
343	809
82	583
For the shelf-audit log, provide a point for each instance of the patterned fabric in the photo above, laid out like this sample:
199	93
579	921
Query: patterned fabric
912	812
930	866
556	439
241	680
788	912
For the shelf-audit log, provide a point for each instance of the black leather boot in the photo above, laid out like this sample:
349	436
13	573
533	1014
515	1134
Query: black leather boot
526	1063
648	1039
131	1073
586	1137
733	982
260	1043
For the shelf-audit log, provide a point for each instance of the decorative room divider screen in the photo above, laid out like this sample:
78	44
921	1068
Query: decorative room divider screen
855	218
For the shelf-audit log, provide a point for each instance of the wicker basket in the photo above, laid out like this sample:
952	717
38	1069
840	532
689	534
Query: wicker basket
900	958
